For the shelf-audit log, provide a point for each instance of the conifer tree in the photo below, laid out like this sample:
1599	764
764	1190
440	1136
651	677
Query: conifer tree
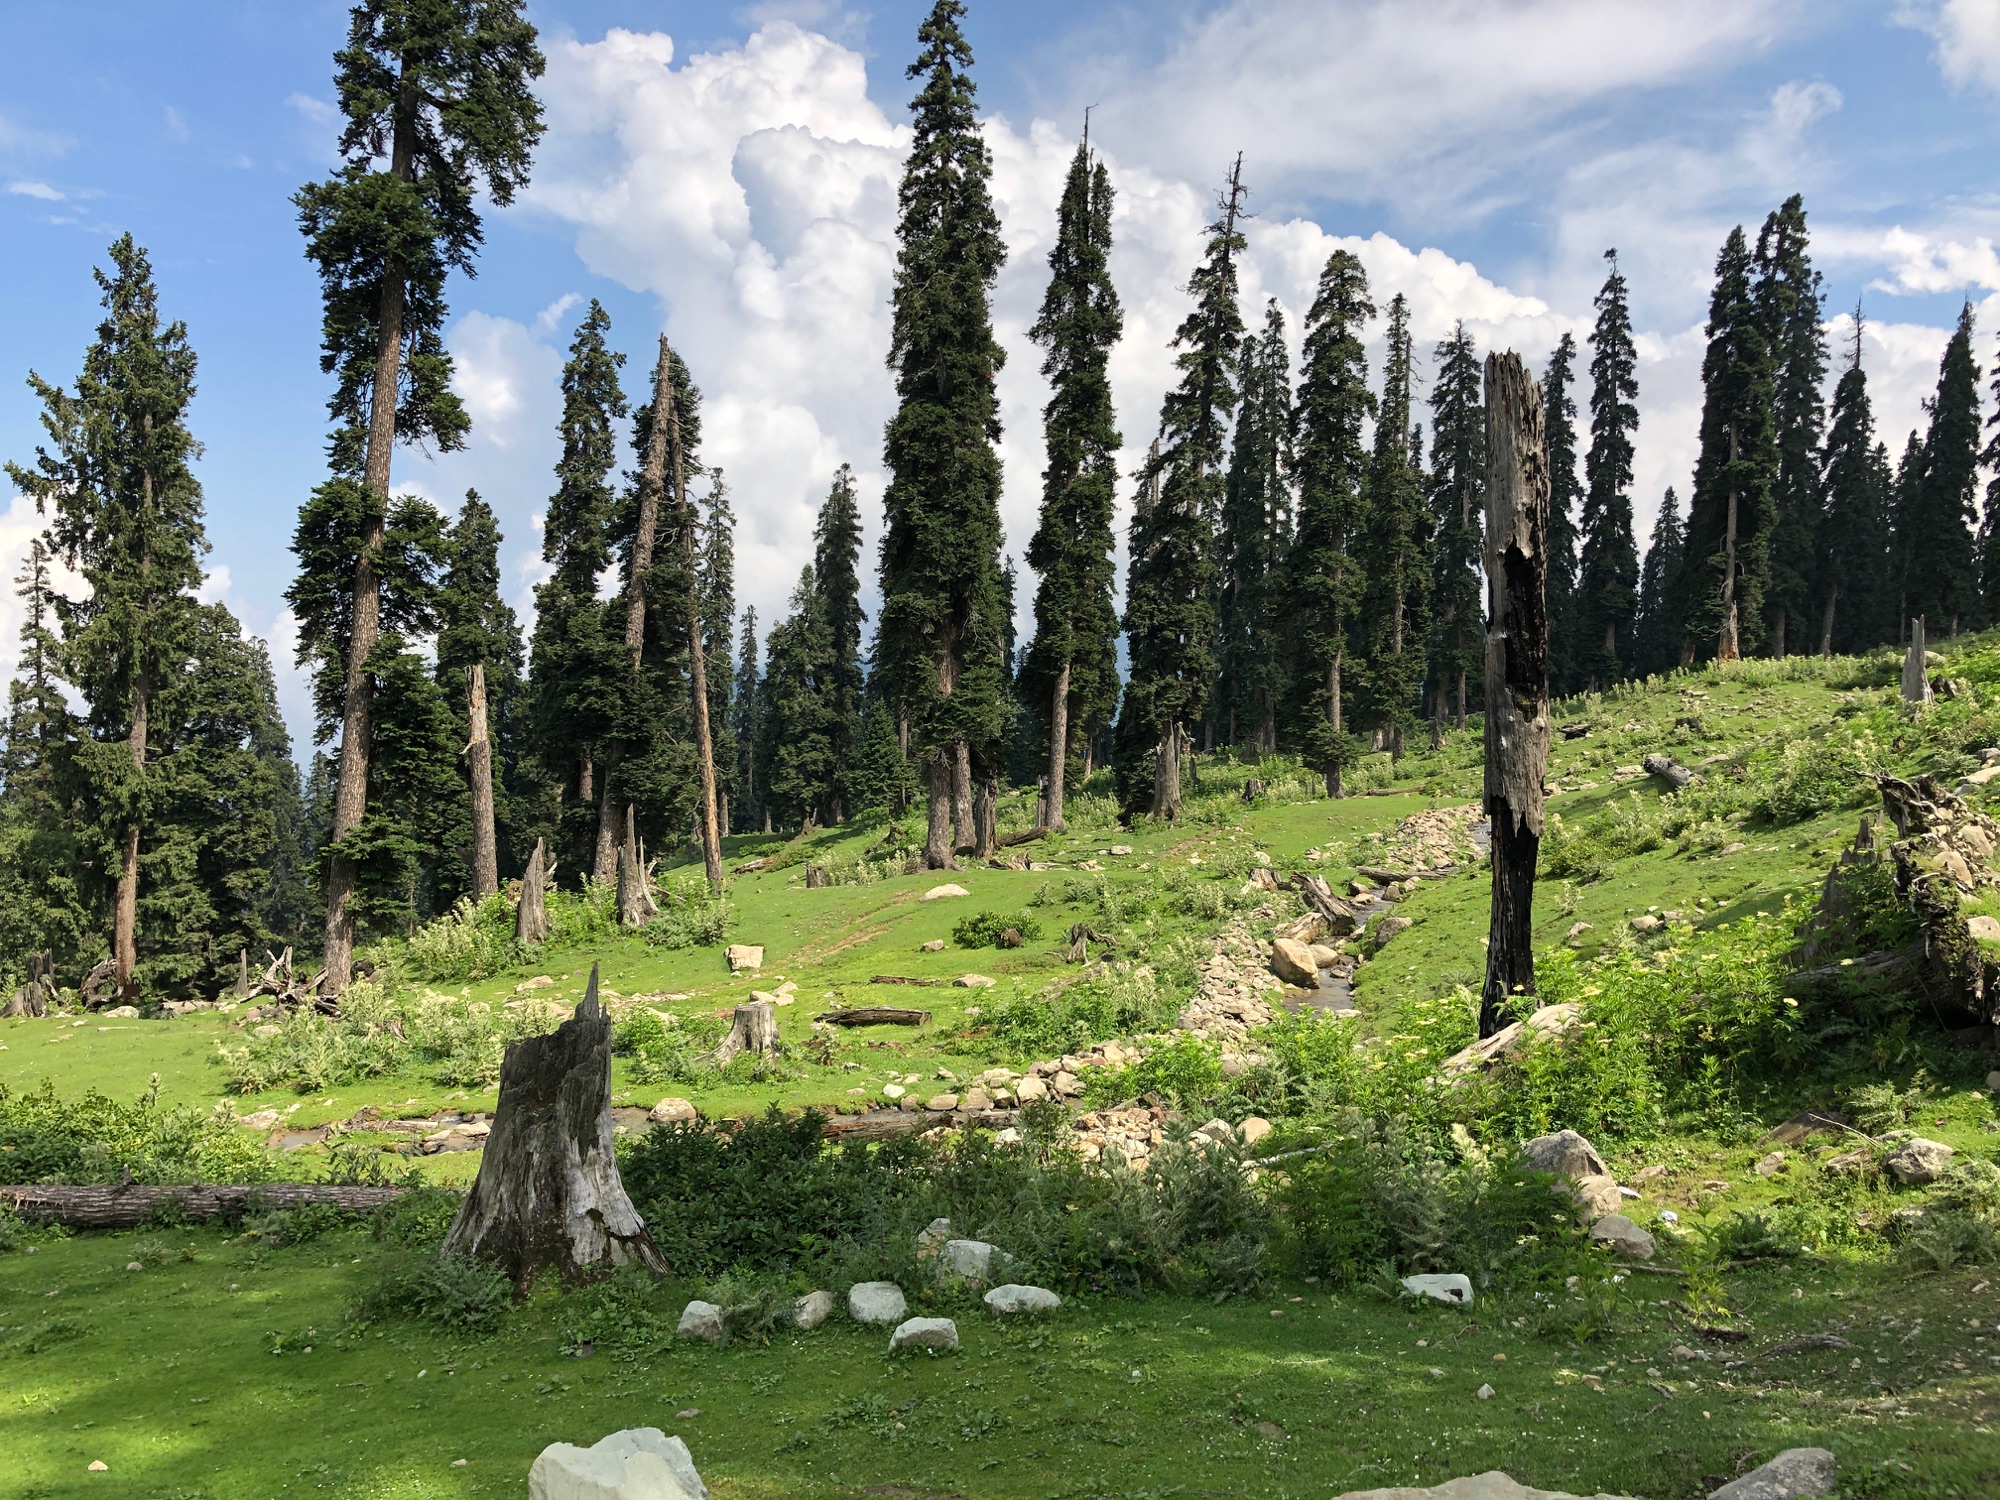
1608	570
1170	585
1789	303
1565	491
127	516
1941	580
1070	676
1718	600
1858	601
748	721
479	665
1654	648
941	626
837	581
438	109
1457	521
717	579
796	764
1256	539
1905	506
1395	547
1334	403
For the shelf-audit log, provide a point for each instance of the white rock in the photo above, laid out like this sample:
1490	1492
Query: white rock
1793	1475
944	892
970	1259
813	1309
1919	1161
122	1013
263	1119
1485	1393
942	1103
893	1091
1493	1485
1292	961
745	956
1008	1137
1254	1129
1067	1085
1566	1154
1030	1089
702	1320
1013	1298
1121	850
641	1463
1323	957
876	1302
924	1333
671	1111
935	945
972	982
1452	1288
1984	929
1622	1235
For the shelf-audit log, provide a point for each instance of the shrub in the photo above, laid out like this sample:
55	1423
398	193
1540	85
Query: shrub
296	1226
690	915
417	1219
1122	1001
1812	776
460	1295
473	940
988	930
93	1138
664	1048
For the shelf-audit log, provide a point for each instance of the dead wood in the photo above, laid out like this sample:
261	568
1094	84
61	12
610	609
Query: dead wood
753	1029
1340	913
129	1205
531	916
878	1015
935	984
1669	770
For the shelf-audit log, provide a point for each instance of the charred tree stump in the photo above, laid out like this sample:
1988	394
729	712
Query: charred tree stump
548	1196
753	1029
1517	672
1916	674
531	917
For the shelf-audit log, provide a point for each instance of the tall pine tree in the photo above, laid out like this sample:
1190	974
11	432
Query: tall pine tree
1789	303
1565	491
479	666
1255	542
1654	647
1070	677
1941	580
747	721
837	579
718	617
941	629
1857	598
1458	516
1608	568
438	109
1395	548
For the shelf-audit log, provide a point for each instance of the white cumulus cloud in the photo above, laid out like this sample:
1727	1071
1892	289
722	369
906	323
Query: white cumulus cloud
1967	33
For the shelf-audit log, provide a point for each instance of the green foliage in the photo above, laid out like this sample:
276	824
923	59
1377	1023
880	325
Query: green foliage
988	930
93	1138
690	915
474	940
666	1048
295	1226
1070	1017
458	1295
1813	775
417	1219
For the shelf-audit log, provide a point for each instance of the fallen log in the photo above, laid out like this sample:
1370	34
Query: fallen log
129	1205
877	1015
935	984
1025	836
1668	770
1340	913
885	1124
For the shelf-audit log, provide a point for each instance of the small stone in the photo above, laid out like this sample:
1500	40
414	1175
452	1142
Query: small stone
813	1309
702	1320
1795	1474
1067	1085
935	945
99	1466
924	1333
539	982
1918	1162
972	982
641	1463
1772	1165
1566	1154
1121	850
1485	1393
1270	1430
1030	1089
1984	929
1623	1236
459	1463
893	1091
133	1265
744	956
1647	922
1254	1130
976	1101
944	893
1012	1298
672	1112
1453	1288
263	1119
1323	957
876	1302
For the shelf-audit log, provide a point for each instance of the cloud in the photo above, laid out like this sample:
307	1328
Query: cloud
1929	263
547	320
30	189
1967	33
177	125
321	112
500	369
21	140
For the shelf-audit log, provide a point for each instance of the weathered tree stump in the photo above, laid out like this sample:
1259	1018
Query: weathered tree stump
33	997
1340	913
1517	672
1916	672
1252	789
754	1029
548	1196
635	902
100	985
816	878
531	917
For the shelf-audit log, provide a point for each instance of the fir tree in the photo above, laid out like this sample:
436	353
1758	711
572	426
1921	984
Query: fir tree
1070	676
747	722
940	637
796	764
836	572
1653	644
1255	541
1457	520
438	109
1941	580
1395	548
1905	506
1334	403
1608	568
717	580
1718	600
1565	491
1789	303
1858	601
479	665
1170	586
128	517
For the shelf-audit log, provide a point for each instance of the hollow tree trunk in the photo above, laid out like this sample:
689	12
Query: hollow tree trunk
531	917
635	903
548	1195
479	762
1517	672
350	793
938	839
1058	747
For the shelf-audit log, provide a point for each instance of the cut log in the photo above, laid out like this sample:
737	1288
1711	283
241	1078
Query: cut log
878	1015
754	1029
548	1195
1916	677
887	1124
1024	836
531	917
1669	770
1575	731
935	984
1340	913
129	1205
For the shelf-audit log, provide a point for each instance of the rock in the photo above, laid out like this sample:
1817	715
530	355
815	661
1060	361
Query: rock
702	1320
539	982
1254	1130
876	1302
893	1091
1121	850
1918	1161
1984	929
1566	1154
1030	1089
935	945
1578	929
1452	1288
970	1260
1292	961
1599	1194
1623	1236
1493	1485
1647	922
133	1265
1848	1161
1324	957
263	1119
122	1013
943	1103
641	1463
1509	1040
972	982
1993	1082
672	1111
1793	1475
931	1238
975	1101
813	1309
97	1466
745	956
1387	927
924	1333
1066	1085
1012	1298
1772	1165
944	893
1485	1393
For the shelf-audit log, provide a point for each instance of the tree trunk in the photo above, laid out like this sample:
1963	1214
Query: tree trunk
586	782
548	1196
938	839
985	800
531	917
635	902
604	861
1517	672
479	761
1826	623
1461	699
1916	674
1167	773
652	481
1333	787
242	974
964	835
1058	747
753	1029
1778	642
350	795
131	1205
706	822
1728	647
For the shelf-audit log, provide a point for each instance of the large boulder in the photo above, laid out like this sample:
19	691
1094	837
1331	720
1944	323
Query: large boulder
1494	1485
673	1112
1795	1474
813	1309
744	956
876	1302
1918	1162
1452	1288
704	1321
1566	1154
1012	1298
924	1333
1292	961
1622	1236
944	892
641	1463
1509	1041
969	1260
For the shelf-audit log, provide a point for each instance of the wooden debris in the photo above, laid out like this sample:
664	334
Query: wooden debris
1669	770
904	979
130	1205
754	1029
879	1015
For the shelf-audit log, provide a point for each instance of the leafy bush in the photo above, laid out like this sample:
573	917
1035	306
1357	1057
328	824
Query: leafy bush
666	1048
691	915
1123	1001
93	1138
474	940
988	930
296	1226
462	1296
417	1219
1812	776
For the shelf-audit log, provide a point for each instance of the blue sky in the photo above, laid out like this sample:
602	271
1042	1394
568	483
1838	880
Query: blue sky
727	172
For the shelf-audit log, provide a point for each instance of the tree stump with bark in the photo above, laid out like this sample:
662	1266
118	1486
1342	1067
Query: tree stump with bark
754	1029
1916	672
548	1195
1517	672
531	917
635	901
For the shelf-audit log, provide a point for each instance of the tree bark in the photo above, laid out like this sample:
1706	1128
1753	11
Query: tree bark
1167	773
130	1205
350	795
1517	672
531	917
548	1196
985	800
1826	623
964	835
1916	672
1058	747
1729	647
753	1029
938	839
479	762
635	902
1333	787
604	860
